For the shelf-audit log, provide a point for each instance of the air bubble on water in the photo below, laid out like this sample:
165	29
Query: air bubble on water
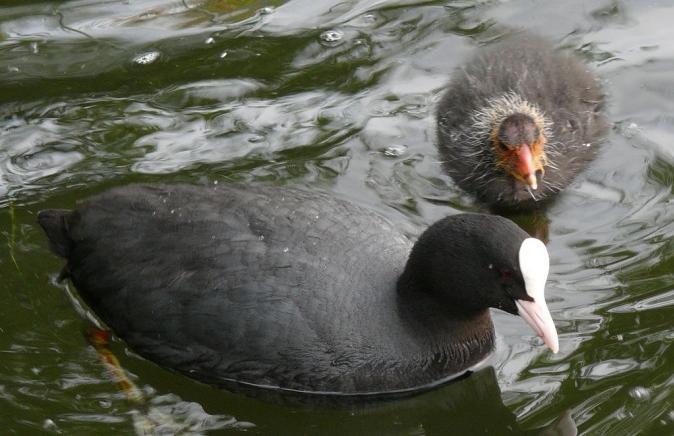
266	10
210	40
149	15
630	130
285	250
223	55
640	393
146	58
49	424
261	237
332	36
395	150
620	415
244	425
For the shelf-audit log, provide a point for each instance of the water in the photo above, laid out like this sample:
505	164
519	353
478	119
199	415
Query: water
337	96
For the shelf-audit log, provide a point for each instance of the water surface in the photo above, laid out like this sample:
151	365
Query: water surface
337	96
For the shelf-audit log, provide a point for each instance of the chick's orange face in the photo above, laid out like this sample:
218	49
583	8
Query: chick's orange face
519	147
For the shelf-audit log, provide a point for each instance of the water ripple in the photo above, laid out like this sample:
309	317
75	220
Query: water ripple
339	97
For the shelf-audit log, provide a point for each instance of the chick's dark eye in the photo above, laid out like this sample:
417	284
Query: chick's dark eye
501	145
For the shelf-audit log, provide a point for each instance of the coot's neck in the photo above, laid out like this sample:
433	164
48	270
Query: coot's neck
464	336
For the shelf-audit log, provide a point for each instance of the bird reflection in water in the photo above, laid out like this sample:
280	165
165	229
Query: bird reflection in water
150	418
470	404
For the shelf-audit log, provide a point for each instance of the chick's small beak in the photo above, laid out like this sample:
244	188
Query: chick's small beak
524	166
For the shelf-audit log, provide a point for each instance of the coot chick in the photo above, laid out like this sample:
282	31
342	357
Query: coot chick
519	121
285	289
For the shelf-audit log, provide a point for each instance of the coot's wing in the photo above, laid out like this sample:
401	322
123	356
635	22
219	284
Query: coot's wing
253	284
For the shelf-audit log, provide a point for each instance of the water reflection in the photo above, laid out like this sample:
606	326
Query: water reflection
535	223
152	414
77	115
469	405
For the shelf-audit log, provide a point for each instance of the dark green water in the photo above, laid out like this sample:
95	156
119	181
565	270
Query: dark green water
97	93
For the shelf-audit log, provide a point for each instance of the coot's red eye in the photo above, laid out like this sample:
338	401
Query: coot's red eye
506	274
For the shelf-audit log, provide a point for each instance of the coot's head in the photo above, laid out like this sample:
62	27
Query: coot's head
473	261
516	131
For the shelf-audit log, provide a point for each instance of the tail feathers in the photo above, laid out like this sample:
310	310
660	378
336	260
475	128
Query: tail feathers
55	224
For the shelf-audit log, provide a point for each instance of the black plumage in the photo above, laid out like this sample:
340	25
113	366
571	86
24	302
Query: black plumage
281	288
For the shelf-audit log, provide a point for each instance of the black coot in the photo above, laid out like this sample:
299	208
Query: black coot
285	289
519	121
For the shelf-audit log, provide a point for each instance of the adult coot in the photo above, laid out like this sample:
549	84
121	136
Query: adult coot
519	121
285	289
